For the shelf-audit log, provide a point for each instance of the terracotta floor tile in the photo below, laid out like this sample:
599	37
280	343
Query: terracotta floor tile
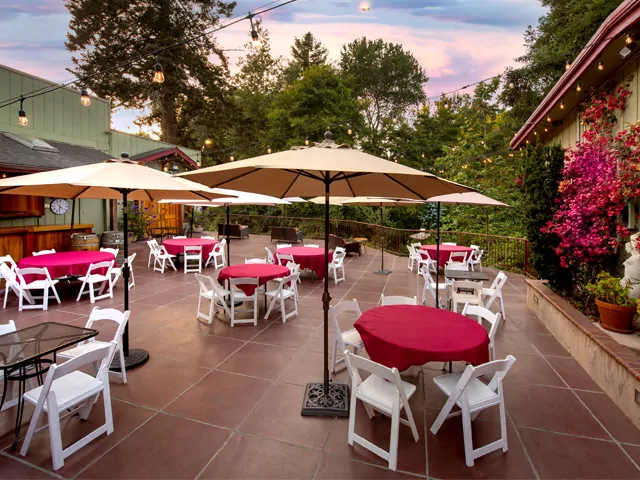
11	469
222	328
611	417
533	369
204	350
556	410
555	456
259	360
339	468
307	367
247	456
572	373
548	345
284	335
165	447
278	417
220	398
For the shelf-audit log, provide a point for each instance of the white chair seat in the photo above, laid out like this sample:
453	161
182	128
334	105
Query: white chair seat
84	348
240	295
487	291
478	392
94	278
39	284
352	337
208	294
380	393
68	389
285	293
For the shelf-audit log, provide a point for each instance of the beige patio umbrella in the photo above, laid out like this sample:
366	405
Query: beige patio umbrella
113	179
327	169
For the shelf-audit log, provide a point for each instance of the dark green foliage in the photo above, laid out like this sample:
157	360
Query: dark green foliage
542	172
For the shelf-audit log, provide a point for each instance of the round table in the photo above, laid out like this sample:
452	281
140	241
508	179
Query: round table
263	272
445	252
64	264
404	335
175	246
308	258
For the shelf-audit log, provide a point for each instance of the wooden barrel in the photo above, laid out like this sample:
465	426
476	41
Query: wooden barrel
113	240
84	242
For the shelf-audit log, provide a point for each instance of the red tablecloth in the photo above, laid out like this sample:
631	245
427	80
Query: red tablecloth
262	272
64	263
445	252
175	246
404	335
308	258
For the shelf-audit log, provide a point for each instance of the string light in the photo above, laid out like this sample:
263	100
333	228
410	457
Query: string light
208	142
232	157
512	85
567	65
562	104
629	39
4	175
546	129
158	74
255	39
268	149
578	87
349	130
84	98
549	118
165	168
535	132
306	141
22	116
365	7
423	155
601	65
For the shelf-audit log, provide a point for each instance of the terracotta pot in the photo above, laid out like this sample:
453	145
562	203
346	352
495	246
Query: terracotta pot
616	318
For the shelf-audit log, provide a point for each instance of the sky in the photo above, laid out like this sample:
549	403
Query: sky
457	42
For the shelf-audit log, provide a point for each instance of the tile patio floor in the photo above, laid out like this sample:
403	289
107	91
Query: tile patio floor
216	402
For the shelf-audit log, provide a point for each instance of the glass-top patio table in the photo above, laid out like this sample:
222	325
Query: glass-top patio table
22	352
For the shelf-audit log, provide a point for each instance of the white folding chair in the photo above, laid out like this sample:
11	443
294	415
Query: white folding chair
103	315
64	387
208	292
430	286
283	245
283	258
217	255
192	259
7	259
287	288
458	261
476	259
385	392
238	295
465	292
43	252
177	237
312	245
112	251
15	281
449	243
294	268
414	257
349	338
388	300
9	400
482	313
270	258
103	279
472	396
153	245
116	272
425	259
495	291
255	261
161	257
336	267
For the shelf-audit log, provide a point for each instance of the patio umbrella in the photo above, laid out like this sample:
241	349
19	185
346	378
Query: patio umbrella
466	198
115	180
380	203
327	169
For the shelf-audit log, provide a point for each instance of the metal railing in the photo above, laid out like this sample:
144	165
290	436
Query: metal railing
506	253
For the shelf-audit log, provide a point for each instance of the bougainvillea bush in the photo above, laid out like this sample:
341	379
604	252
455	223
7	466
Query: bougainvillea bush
600	175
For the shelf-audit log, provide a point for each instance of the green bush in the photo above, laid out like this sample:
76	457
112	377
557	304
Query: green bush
609	289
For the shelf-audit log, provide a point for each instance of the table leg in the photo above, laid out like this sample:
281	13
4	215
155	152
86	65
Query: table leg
4	391
21	390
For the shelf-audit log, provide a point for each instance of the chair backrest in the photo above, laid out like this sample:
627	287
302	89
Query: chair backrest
483	314
282	257
131	258
100	265
460	257
339	250
8	260
475	247
497	368
338	258
250	261
449	243
40	272
223	242
471	290
423	254
397	300
416	245
7	327
236	282
111	314
179	236
282	245
426	274
270	257
476	256
499	281
112	251
11	276
43	252
412	250
193	250
206	283
341	308
289	282
312	245
293	267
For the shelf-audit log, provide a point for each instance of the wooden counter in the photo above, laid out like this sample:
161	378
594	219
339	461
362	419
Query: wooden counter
20	242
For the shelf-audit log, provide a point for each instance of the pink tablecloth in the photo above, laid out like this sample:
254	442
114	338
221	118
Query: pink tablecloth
64	263
445	252
308	258
263	272
404	335
175	246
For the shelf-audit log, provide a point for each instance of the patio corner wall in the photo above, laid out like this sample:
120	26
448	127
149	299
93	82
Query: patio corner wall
615	368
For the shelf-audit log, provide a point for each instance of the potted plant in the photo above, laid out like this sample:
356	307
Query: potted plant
615	306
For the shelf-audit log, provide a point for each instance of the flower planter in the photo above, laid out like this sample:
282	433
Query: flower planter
616	318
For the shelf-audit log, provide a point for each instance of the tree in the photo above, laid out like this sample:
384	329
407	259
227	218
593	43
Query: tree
319	101
387	80
306	51
105	33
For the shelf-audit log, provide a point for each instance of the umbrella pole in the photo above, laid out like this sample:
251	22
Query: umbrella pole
133	357
193	209
228	239
382	271
326	399
73	214
438	258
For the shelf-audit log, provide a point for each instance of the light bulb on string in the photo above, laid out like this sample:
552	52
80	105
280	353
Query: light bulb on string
546	129
549	118
255	38
601	65
208	142
512	85
158	74
22	116
365	7
268	149
629	39
423	155
232	157
306	141
578	87
349	130
567	65
562	104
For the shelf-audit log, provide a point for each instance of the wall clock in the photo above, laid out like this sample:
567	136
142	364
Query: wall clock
59	206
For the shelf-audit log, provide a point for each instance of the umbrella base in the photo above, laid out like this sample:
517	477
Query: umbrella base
382	271
318	403
136	357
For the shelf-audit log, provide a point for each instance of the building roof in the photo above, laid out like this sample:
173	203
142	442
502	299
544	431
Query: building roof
164	153
603	46
15	156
